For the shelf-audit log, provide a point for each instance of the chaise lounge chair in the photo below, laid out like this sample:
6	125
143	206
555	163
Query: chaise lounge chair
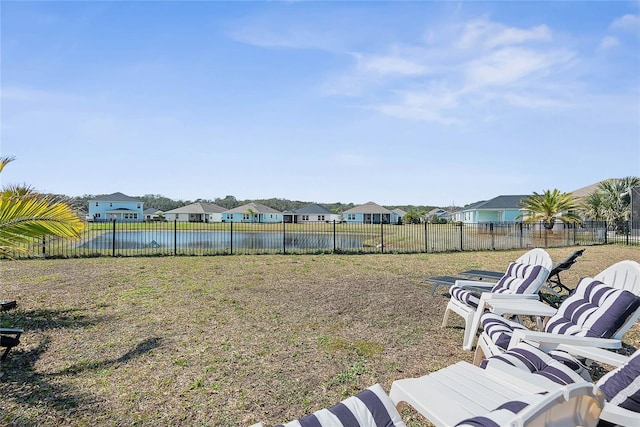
523	279
597	314
9	338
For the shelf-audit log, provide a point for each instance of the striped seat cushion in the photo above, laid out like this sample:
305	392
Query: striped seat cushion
593	310
557	366
519	279
499	329
369	408
504	415
621	386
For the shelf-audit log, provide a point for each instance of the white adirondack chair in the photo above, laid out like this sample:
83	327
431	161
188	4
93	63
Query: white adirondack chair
612	313
522	280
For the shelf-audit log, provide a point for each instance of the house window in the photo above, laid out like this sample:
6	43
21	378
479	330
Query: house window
305	217
320	217
110	205
138	205
96	204
351	217
245	217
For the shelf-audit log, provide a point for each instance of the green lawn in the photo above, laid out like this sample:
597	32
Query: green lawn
230	340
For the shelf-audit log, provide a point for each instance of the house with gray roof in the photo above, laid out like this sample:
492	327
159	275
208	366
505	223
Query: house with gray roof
310	213
196	212
396	216
252	212
116	206
153	214
368	213
499	209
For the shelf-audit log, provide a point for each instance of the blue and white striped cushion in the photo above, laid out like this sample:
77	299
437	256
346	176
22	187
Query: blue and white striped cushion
499	329
528	358
593	310
503	415
621	386
369	408
521	279
466	296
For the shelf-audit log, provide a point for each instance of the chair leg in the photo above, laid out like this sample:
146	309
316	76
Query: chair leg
445	319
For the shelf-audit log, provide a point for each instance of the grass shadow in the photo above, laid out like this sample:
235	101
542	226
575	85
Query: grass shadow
42	320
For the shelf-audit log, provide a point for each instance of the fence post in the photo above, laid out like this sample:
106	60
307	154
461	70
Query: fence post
44	252
493	238
426	242
606	227
381	235
334	236
113	240
175	236
521	234
231	239
284	238
461	248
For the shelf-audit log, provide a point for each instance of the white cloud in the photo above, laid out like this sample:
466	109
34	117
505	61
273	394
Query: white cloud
509	65
483	33
608	42
390	65
626	22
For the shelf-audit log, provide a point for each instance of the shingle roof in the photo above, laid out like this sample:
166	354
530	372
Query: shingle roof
585	191
198	208
151	211
500	202
313	209
399	212
368	208
256	207
116	197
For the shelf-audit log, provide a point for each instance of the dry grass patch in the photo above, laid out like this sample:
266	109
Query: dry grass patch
230	340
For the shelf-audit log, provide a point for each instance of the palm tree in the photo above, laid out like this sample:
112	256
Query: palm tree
616	194
549	207
26	214
593	206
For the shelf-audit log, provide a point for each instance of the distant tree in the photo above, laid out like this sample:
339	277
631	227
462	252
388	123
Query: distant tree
26	214
593	206
549	207
413	217
229	202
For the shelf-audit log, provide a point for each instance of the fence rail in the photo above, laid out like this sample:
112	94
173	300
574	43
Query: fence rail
178	238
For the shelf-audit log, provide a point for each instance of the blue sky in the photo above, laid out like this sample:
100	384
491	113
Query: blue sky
423	103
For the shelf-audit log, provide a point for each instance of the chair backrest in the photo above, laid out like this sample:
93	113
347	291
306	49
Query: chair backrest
622	275
370	408
595	309
537	256
621	386
521	279
566	263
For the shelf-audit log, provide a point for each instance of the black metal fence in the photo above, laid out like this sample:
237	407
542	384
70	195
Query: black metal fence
179	238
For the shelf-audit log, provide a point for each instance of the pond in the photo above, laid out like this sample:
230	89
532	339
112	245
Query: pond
221	240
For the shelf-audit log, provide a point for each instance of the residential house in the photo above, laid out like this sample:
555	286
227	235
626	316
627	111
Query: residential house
435	214
196	212
116	206
369	213
396	216
153	214
310	213
252	212
498	209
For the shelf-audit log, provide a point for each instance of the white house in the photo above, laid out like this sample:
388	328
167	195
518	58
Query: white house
196	212
311	213
252	212
369	213
116	206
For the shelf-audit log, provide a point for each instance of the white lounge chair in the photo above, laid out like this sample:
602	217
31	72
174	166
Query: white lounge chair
523	279
467	395
620	386
596	314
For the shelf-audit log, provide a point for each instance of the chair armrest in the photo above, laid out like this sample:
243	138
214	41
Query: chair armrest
595	353
493	296
11	331
475	284
545	339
